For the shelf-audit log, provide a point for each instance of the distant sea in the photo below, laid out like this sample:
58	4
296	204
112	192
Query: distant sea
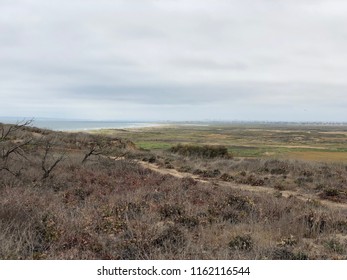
73	125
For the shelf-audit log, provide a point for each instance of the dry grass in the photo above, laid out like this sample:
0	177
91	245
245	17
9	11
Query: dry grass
319	156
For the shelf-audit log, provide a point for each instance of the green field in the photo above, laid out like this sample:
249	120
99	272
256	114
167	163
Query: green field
307	142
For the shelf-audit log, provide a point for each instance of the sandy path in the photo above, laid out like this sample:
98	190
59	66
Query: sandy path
302	196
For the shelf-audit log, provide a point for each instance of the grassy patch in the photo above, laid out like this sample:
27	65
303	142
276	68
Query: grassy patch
151	145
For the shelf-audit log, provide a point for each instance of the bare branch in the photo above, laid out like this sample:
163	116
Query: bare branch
12	144
96	148
48	168
16	149
12	128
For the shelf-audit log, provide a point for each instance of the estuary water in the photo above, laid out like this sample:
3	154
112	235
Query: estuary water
77	125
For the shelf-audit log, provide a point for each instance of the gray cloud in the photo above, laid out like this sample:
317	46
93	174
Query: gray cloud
75	57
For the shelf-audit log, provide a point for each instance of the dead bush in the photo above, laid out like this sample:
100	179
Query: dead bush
169	238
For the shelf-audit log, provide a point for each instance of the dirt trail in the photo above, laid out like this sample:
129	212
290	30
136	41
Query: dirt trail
302	196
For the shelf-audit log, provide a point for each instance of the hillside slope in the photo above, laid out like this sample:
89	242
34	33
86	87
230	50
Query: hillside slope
64	196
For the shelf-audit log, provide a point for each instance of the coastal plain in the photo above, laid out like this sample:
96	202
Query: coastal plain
319	142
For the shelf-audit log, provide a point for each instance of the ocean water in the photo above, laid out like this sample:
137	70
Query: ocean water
73	125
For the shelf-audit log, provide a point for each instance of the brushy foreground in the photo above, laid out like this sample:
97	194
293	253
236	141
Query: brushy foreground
79	196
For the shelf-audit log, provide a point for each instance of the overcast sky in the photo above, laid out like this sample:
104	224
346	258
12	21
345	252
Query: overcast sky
174	59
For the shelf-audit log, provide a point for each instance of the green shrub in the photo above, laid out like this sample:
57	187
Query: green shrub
170	210
331	192
205	151
241	242
287	254
335	246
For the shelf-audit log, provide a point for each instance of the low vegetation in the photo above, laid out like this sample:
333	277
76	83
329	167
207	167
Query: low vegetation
84	196
308	142
325	180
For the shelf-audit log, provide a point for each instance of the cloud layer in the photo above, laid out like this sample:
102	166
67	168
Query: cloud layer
177	60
